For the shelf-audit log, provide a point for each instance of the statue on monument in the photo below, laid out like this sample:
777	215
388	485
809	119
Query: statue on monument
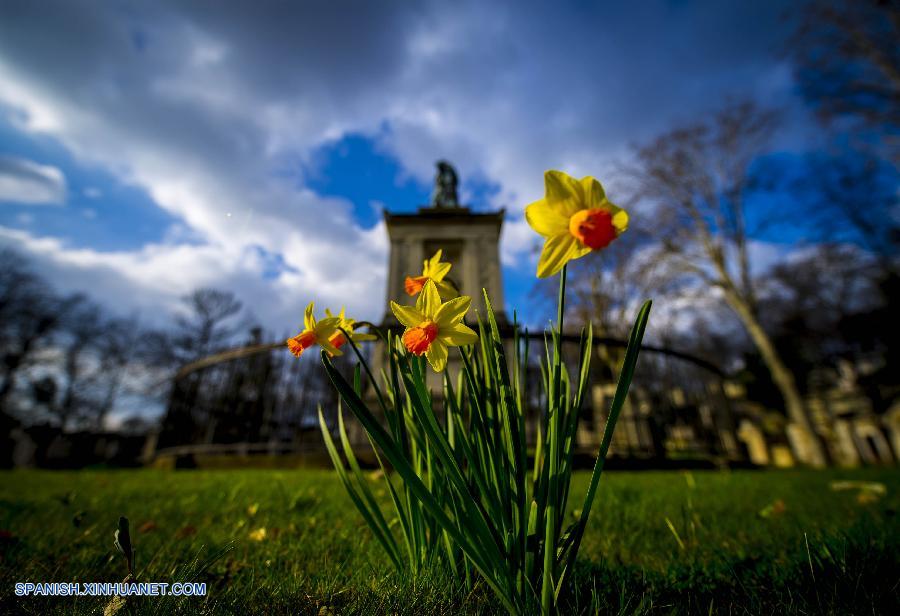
445	183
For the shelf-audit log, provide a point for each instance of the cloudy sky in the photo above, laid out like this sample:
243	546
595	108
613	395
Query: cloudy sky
150	148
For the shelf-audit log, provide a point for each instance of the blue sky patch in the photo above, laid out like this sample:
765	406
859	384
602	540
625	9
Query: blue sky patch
100	212
353	168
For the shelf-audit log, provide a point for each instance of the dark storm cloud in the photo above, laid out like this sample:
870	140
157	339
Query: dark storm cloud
209	106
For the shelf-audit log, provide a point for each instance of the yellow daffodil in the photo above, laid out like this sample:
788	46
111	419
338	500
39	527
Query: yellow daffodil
315	332
432	269
337	339
575	218
432	326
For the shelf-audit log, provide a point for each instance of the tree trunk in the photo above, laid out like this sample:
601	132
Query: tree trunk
781	375
5	389
108	400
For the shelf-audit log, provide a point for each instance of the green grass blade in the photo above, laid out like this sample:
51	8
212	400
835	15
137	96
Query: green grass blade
402	466
625	376
382	534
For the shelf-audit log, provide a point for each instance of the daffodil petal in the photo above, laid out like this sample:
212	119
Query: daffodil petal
559	186
420	300
309	321
330	348
437	355
546	220
407	315
457	334
609	206
445	289
558	250
429	300
594	195
563	193
327	327
437	271
452	312
363	337
620	220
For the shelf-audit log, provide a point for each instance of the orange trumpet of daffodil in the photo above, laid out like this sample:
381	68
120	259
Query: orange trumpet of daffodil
432	269
337	339
432	325
575	218
315	332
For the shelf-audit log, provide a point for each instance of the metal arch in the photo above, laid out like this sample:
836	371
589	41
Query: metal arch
248	351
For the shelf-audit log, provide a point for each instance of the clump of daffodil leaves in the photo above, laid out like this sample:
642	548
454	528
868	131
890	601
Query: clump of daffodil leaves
462	489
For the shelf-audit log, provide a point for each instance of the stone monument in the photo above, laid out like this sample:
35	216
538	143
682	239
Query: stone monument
470	243
469	240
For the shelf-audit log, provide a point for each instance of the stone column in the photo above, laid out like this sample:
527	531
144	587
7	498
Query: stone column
395	265
489	270
468	258
415	257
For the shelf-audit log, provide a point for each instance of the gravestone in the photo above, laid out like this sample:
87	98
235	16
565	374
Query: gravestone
801	442
892	423
755	441
844	448
782	456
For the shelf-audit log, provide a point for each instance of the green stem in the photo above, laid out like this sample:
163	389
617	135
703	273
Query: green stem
561	307
554	407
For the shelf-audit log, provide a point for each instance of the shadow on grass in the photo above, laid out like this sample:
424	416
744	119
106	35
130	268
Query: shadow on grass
847	574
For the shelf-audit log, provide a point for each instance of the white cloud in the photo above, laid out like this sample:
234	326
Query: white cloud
152	280
206	110
25	181
517	240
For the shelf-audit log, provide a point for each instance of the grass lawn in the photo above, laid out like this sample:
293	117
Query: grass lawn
748	542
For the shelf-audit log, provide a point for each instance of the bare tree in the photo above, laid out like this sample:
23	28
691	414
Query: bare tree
806	300
603	288
697	179
209	324
825	284
29	313
848	64
117	349
82	326
853	197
